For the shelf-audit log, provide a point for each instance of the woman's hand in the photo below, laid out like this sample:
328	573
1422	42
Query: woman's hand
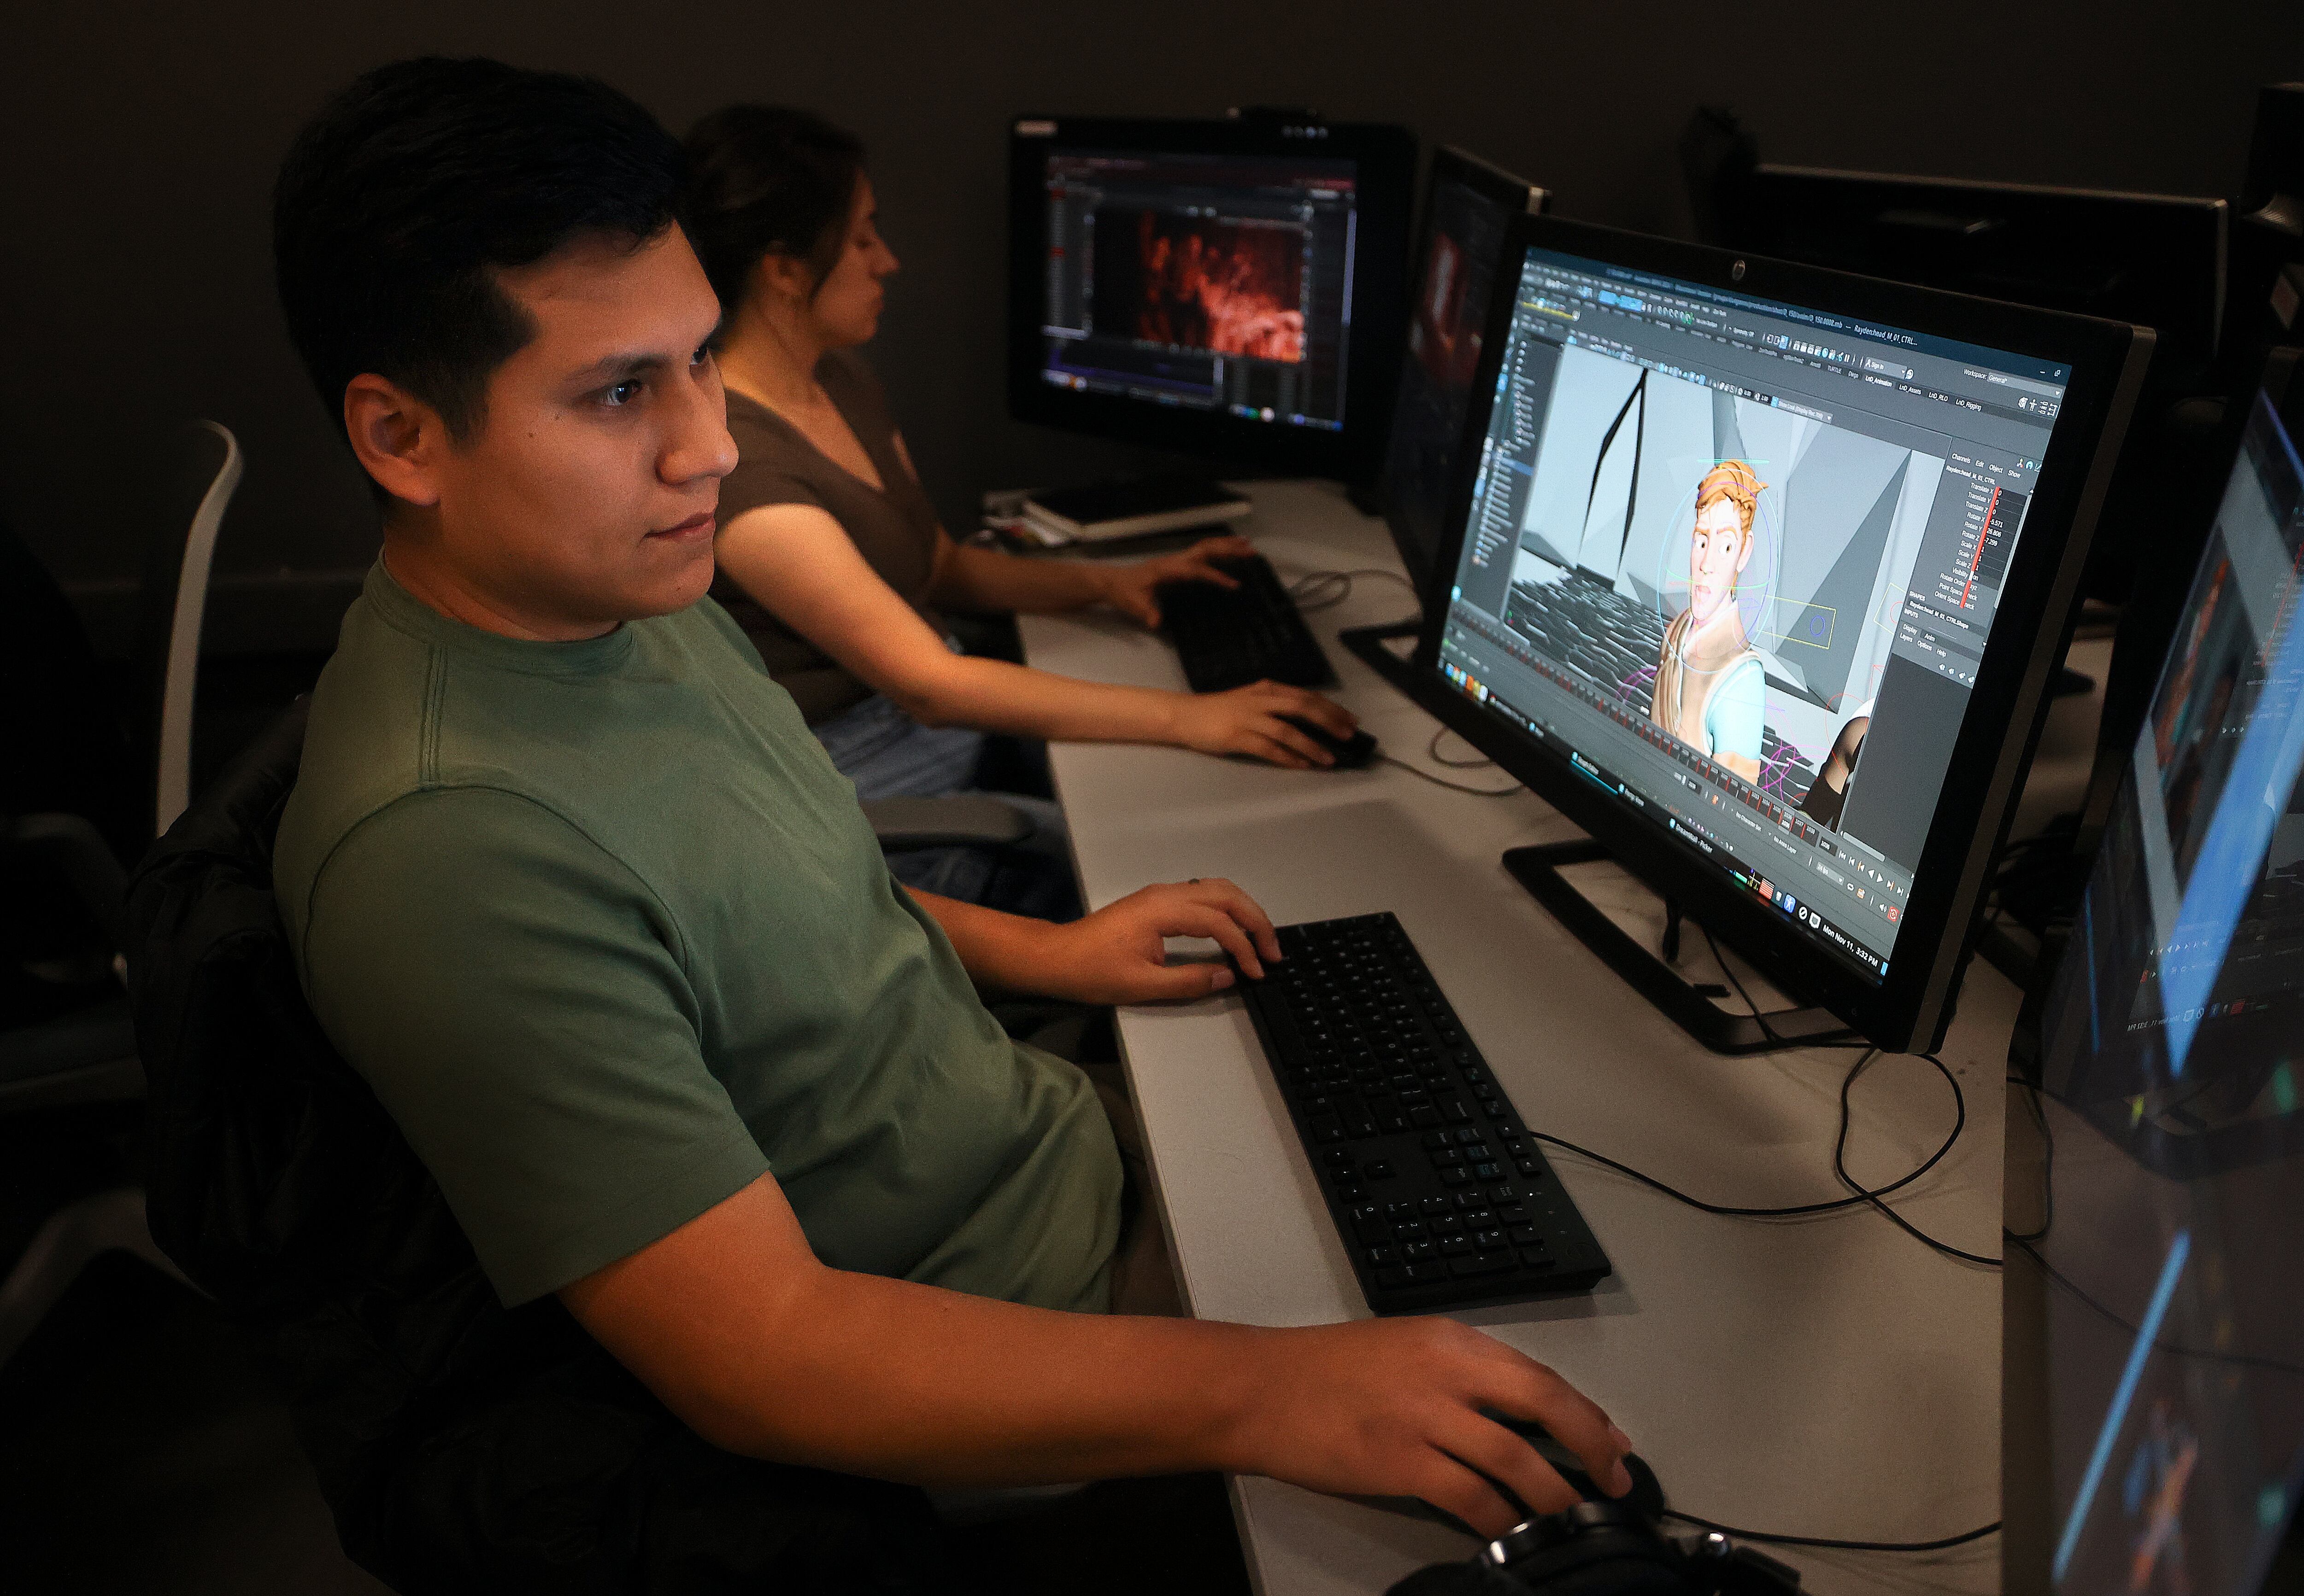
1130	588
1118	954
1247	720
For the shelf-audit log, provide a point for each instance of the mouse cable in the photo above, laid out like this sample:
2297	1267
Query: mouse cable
1424	775
1945	1544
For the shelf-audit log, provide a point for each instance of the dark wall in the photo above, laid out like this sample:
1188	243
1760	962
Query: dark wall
134	274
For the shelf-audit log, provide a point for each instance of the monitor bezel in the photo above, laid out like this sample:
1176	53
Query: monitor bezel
2033	622
1516	197
2127	220
1385	180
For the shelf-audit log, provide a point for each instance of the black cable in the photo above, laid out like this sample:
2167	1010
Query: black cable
1949	1542
1432	752
1840	1162
1797	1210
1423	775
1774	1037
2047	1167
1301	591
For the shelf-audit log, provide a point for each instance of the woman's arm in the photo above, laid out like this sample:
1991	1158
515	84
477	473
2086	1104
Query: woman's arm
803	568
982	579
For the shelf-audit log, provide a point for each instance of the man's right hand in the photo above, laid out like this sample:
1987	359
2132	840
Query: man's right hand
1247	720
1392	1407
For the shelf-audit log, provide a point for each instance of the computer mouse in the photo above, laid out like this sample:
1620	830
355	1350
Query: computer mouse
1353	753
1646	1497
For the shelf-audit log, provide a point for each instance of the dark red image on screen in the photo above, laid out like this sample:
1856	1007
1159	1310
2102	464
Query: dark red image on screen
1231	288
1445	336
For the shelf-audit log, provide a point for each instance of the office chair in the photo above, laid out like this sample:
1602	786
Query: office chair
67	1041
201	471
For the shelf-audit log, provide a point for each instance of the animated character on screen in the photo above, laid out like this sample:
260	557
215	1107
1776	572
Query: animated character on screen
1711	688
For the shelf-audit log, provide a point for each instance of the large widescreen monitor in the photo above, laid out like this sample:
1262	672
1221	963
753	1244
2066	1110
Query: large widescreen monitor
1231	289
2156	1291
1468	205
1759	576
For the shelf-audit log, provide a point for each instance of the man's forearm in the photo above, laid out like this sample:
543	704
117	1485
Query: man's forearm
878	1376
996	949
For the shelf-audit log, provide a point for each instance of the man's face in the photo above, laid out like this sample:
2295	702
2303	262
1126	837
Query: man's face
1716	554
586	497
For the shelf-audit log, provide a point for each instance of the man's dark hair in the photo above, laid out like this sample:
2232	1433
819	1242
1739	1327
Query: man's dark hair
764	179
400	203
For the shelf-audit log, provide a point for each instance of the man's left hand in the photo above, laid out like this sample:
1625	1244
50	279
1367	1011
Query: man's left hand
1131	588
1117	955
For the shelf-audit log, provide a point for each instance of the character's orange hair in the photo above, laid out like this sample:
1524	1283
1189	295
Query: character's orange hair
1736	481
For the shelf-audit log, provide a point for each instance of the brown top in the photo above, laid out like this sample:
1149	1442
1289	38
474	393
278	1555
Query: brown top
894	526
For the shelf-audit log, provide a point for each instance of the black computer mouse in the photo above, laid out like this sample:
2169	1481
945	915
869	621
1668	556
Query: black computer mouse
1353	753
1646	1497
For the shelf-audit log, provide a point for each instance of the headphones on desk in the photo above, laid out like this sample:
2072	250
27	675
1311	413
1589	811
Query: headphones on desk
1603	1549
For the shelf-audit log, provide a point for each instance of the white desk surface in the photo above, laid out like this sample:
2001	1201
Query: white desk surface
1827	1377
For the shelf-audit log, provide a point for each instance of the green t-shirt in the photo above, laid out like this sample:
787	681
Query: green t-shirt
609	937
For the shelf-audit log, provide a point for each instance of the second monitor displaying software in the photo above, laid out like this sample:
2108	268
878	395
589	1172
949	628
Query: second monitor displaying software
1468	206
1231	288
1744	563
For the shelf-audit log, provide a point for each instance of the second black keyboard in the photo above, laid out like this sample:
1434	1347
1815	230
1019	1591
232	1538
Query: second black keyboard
1227	638
1442	1198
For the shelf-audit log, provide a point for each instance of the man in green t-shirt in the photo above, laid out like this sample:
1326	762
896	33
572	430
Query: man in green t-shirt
572	886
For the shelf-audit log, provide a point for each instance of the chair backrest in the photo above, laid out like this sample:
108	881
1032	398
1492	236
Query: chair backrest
460	1445
201	473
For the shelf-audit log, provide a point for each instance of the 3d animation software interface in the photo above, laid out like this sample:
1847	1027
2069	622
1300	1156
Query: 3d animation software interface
1445	329
2171	1059
1742	558
1211	282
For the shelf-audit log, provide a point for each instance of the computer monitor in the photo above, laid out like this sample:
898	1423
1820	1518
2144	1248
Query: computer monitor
2157	260
1759	575
1230	289
2154	1334
1468	204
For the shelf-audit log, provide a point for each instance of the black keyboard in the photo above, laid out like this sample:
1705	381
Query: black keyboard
1442	1198
1230	636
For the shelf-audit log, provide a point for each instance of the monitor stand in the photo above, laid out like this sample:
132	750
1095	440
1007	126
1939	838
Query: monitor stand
1367	644
1688	1006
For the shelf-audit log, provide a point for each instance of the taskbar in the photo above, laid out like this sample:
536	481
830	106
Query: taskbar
1691	831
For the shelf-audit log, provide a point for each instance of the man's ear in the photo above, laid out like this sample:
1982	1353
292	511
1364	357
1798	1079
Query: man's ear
399	438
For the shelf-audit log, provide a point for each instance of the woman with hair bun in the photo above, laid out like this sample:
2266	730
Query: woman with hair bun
831	556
